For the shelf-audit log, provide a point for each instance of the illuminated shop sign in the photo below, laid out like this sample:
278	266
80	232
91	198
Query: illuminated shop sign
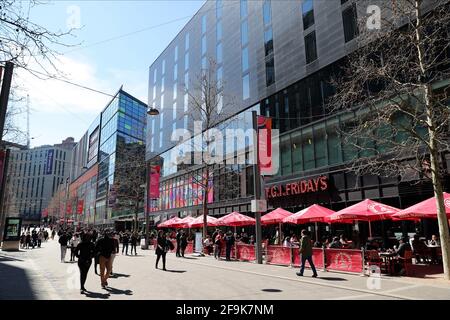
298	187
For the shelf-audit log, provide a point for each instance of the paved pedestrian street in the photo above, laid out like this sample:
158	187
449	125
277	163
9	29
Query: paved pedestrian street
39	274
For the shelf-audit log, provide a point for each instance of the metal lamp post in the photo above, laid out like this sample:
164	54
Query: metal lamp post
151	111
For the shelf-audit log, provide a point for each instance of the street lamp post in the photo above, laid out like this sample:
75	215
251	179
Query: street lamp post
151	111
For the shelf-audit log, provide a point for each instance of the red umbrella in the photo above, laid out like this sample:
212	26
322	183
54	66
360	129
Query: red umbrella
275	216
314	213
198	222
424	209
366	210
235	219
167	223
182	223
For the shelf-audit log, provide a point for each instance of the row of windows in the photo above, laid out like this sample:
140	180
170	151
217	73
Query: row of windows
245	54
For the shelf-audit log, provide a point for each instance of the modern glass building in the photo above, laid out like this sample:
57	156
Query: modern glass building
98	160
275	57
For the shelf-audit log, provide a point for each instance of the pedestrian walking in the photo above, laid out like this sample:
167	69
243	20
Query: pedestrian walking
63	239
306	253
73	242
178	238
134	241
45	235
183	243
125	241
27	240
22	240
218	245
162	247
105	247
116	251
40	236
53	234
34	237
229	243
84	251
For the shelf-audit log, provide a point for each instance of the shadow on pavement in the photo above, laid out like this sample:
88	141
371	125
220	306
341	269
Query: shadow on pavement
332	278
176	271
119	291
96	295
190	258
119	275
271	290
15	282
6	258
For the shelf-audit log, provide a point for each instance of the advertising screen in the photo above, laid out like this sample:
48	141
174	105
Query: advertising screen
12	229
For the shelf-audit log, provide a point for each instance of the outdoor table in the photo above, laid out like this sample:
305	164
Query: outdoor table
434	252
388	258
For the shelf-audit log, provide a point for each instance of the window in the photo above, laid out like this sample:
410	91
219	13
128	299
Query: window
245	59
160	138
175	72
219	53
186	103
219	31
307	13
270	71
203	45
174	112
162	84
204	63
244	33
267	14
186	80
350	19
175	91
268	41
244	9
219	9
310	47
176	53
219	76
163	67
186	61
246	87
203	24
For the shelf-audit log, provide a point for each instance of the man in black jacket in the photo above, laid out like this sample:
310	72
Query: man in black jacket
63	239
104	248
178	254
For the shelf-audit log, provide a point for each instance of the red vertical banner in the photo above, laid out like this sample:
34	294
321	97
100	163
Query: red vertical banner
154	182
44	213
265	144
80	206
69	208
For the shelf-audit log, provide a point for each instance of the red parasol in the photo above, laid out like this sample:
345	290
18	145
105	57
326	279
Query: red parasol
275	216
182	223
366	210
425	209
168	223
314	213
235	219
198	222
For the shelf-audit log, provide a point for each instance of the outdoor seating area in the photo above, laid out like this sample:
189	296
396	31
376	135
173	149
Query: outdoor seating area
413	256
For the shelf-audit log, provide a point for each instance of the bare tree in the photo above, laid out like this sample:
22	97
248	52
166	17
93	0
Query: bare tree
395	92
25	42
208	107
129	181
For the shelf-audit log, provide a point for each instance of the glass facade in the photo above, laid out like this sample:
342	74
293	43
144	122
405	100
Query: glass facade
125	127
268	43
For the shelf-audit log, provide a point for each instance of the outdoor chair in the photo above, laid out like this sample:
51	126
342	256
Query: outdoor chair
407	263
373	259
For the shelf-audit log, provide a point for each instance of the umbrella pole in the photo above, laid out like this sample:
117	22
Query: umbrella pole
317	238
370	230
280	241
235	244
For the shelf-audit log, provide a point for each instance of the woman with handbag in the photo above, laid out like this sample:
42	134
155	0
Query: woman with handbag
162	248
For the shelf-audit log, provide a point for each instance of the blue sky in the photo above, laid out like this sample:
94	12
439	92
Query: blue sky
60	110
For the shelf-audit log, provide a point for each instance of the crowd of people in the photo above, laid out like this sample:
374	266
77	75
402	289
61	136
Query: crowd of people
34	238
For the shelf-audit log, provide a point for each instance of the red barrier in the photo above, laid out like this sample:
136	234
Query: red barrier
317	257
246	252
223	254
189	248
278	255
344	260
